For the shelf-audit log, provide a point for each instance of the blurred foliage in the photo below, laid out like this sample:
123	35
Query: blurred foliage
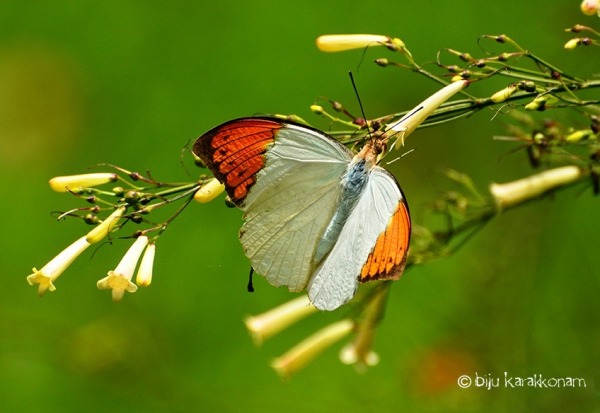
131	82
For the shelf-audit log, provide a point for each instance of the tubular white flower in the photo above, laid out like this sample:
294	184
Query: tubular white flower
209	191
51	271
268	324
106	226
342	42
415	117
516	192
119	280
78	182
304	352
144	274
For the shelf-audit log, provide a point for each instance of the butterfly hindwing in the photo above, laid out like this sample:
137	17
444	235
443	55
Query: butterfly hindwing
376	232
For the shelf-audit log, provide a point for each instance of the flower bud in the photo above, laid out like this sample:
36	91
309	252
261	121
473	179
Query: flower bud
144	274
79	182
382	61
526	85
503	94
317	110
105	227
209	191
580	135
539	103
342	42
573	43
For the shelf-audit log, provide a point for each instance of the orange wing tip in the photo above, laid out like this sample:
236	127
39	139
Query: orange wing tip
235	152
388	257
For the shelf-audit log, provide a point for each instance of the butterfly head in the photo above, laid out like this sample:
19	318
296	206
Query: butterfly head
375	148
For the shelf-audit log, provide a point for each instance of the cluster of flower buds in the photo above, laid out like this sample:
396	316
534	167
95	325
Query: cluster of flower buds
582	41
538	88
130	206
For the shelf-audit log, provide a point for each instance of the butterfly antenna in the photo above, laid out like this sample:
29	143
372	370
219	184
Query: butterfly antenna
362	110
362	58
399	157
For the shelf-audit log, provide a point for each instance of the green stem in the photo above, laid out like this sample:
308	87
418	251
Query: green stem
177	189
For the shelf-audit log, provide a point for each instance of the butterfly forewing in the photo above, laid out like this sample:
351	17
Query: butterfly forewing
234	152
288	200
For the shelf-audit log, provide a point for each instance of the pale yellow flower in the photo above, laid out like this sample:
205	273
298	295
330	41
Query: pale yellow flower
50	272
304	352
209	191
105	227
144	274
79	182
516	192
415	117
268	324
119	280
342	42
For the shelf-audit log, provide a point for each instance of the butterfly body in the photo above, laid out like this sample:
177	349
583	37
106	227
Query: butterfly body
316	215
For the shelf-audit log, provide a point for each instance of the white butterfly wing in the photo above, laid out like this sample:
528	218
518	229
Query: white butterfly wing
290	204
372	244
287	179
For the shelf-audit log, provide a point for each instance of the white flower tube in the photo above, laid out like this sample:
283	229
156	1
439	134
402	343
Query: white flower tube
516	192
415	117
144	274
305	351
105	227
268	324
342	42
78	182
51	271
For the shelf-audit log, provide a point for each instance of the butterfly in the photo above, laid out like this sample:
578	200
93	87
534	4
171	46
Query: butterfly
317	216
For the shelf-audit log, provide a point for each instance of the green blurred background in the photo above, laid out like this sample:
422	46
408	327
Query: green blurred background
130	82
